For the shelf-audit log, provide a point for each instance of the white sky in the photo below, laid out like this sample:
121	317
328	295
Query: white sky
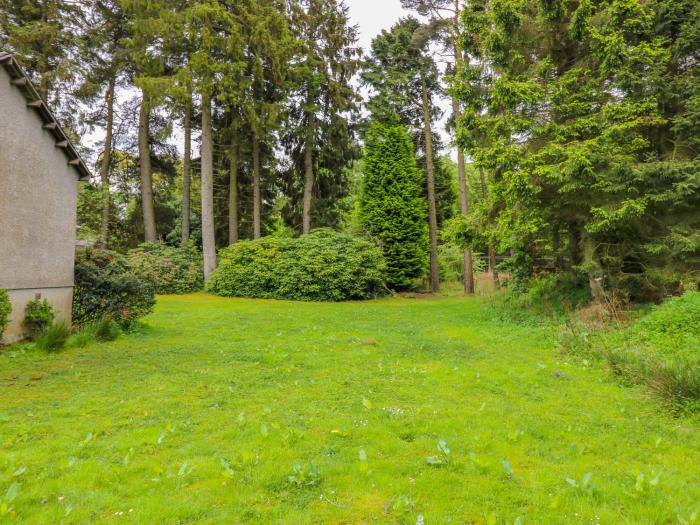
374	15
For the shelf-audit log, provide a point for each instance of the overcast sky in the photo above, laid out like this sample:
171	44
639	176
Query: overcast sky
374	15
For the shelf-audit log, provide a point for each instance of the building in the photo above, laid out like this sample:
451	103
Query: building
39	174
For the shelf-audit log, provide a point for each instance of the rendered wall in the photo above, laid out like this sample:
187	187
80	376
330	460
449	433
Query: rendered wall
38	191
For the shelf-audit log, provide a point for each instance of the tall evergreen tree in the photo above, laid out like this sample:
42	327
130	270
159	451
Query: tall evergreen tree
404	79
392	208
320	135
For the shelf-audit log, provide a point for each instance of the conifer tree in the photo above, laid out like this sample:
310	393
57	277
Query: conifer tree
392	207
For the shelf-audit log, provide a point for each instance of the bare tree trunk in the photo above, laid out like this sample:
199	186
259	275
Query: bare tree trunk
432	208
308	185
149	214
187	173
491	249
207	155
464	205
106	163
256	187
233	193
590	260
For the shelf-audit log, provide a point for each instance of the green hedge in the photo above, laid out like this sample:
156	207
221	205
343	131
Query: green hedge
5	310
173	270
321	266
106	287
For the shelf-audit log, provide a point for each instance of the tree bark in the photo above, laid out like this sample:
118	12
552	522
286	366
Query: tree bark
233	193
491	250
430	174
256	188
149	215
187	172
464	204
308	184
207	155
106	163
592	265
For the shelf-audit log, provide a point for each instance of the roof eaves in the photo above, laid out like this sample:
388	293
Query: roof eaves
21	81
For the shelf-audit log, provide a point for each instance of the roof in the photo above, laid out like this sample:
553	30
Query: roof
34	101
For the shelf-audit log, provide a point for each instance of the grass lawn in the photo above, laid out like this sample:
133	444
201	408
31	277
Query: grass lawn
393	411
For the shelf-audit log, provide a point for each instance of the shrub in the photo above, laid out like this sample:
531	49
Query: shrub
392	207
174	270
55	337
38	317
321	266
5	310
106	287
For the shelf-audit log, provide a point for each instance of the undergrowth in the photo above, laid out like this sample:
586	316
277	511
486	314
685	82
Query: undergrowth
660	349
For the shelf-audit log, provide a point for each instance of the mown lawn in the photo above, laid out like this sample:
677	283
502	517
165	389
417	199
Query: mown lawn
393	411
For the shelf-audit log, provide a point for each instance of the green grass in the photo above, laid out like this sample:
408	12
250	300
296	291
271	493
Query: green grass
243	411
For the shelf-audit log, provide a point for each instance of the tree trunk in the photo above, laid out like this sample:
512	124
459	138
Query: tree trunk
256	187
149	215
207	155
464	205
187	173
491	250
430	173
592	265
233	193
106	163
308	184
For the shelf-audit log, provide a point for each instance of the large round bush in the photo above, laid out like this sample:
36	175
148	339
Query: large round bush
106	287
321	266
173	270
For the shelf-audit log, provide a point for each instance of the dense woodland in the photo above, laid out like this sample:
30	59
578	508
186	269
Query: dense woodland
575	127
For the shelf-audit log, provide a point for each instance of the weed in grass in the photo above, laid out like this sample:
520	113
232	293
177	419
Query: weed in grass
55	338
107	330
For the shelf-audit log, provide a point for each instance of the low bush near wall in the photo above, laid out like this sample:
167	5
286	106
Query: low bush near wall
321	266
173	270
5	310
106	287
38	317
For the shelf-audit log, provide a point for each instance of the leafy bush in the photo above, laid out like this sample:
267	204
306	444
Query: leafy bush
38	317
321	266
106	287
174	270
5	310
54	338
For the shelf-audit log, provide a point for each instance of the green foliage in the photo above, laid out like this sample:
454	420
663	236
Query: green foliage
106	287
38	317
5	310
321	266
392	208
54	338
106	330
539	301
173	270
659	350
586	135
451	259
